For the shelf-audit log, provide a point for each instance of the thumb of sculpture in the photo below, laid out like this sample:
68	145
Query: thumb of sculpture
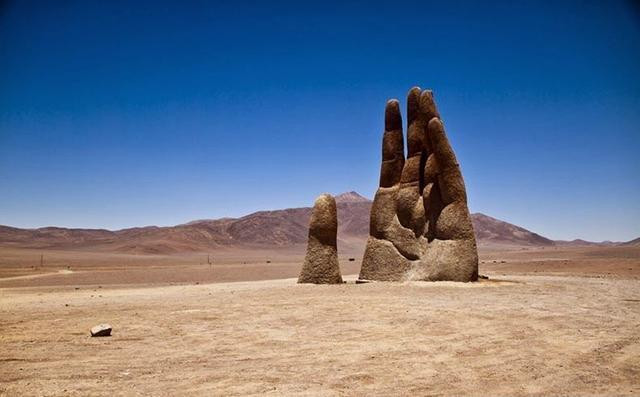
321	262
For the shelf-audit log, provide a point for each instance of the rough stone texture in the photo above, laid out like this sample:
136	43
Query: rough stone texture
101	330
420	226
321	262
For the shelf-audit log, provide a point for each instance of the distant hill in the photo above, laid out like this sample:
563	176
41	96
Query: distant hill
632	243
583	243
351	197
492	231
263	229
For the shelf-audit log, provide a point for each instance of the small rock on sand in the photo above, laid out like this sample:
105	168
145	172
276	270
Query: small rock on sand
101	330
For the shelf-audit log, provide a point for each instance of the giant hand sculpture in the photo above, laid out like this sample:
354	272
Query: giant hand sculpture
420	227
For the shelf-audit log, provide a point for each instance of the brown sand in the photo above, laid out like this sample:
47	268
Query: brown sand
524	333
81	268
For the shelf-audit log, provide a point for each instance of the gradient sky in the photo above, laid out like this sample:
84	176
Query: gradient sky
119	114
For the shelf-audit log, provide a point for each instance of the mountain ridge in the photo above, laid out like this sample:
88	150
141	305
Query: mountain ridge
262	229
351	197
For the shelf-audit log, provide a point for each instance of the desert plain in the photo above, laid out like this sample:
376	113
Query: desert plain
547	321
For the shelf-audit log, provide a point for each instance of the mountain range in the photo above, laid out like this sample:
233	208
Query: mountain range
264	229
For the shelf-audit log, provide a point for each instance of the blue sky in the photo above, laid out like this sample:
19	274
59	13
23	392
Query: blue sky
119	114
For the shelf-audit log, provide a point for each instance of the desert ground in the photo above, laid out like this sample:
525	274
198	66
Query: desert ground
547	321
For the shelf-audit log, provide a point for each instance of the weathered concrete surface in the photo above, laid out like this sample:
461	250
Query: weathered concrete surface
321	261
420	226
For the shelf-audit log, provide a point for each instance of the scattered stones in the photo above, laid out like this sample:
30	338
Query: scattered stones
101	330
321	262
420	226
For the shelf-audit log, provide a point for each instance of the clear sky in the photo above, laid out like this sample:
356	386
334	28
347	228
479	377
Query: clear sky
119	114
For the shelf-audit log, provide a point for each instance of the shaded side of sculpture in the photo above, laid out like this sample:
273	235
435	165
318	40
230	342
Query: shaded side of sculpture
321	261
420	226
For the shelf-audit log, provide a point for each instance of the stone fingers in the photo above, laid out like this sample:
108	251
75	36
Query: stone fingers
392	146
321	261
452	187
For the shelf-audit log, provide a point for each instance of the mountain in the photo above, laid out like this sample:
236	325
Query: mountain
584	243
632	243
351	197
492	231
263	229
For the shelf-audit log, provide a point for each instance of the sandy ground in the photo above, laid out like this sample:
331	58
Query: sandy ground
22	268
529	331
